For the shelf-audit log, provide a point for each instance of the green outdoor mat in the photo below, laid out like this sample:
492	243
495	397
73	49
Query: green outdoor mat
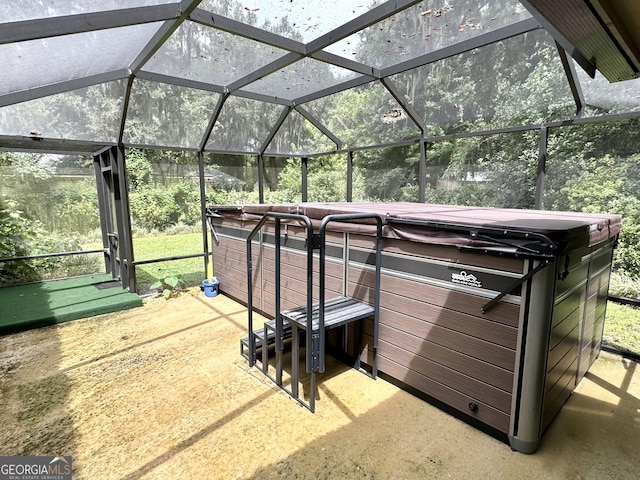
45	303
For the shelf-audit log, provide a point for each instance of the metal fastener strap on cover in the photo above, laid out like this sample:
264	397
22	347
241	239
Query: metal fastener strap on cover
520	281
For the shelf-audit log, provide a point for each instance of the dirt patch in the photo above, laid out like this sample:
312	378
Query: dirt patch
161	392
143	393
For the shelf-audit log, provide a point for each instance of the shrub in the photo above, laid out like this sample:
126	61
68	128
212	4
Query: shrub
624	286
187	196
21	236
78	208
610	185
153	208
139	169
16	232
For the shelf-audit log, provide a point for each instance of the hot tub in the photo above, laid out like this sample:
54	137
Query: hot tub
494	315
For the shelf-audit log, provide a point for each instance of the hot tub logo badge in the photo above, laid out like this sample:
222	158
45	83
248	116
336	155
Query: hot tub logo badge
464	278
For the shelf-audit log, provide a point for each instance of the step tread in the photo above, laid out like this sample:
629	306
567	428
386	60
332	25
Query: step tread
271	335
337	311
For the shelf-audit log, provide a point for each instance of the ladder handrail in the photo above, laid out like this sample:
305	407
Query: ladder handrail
344	217
312	365
278	216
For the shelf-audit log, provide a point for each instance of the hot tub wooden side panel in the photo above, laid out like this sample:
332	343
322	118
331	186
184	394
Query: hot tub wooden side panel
413	354
230	267
485	372
441	392
442	343
567	317
293	278
447	359
454	310
593	325
459	352
577	323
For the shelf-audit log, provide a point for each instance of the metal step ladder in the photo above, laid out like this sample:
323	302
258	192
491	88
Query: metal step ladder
264	337
314	318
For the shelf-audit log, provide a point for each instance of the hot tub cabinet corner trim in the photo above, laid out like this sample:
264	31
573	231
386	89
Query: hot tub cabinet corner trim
531	362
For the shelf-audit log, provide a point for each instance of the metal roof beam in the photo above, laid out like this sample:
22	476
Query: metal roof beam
498	35
212	121
162	35
18	143
274	66
400	143
395	93
179	81
346	63
316	123
274	130
231	152
263	98
62	87
365	20
247	31
70	24
153	146
356	82
290	155
572	78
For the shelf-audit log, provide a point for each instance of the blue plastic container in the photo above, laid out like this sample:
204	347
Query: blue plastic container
210	286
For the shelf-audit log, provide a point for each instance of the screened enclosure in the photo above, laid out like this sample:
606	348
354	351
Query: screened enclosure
121	120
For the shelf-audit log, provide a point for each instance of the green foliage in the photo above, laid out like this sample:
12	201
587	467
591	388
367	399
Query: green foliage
153	208
327	180
611	185
289	186
622	327
157	202
356	116
233	197
29	164
139	168
168	282
77	207
488	171
624	286
60	201
186	195
16	234
6	159
188	270
22	236
52	213
389	174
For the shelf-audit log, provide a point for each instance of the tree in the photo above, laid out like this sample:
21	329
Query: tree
609	184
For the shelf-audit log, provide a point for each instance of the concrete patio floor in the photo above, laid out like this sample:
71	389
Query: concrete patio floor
161	392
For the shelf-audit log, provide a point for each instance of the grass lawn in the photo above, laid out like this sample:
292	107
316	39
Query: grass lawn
189	271
147	248
622	327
